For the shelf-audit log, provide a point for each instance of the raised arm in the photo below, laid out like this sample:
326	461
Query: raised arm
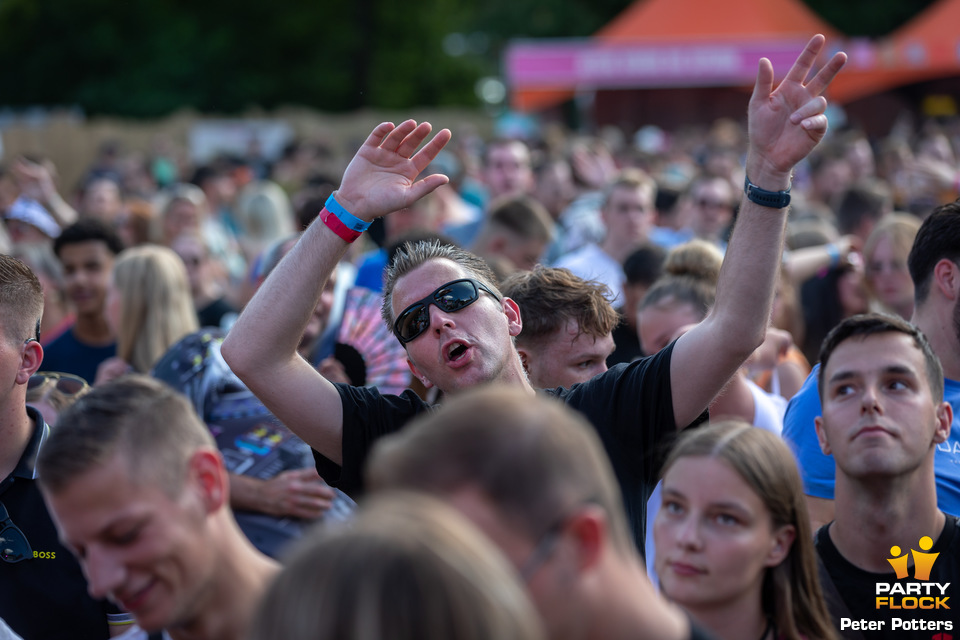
36	181
784	126
261	348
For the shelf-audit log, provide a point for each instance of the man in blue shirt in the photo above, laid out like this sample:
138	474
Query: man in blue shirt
934	265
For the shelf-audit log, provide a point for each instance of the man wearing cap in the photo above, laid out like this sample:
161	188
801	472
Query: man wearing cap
29	222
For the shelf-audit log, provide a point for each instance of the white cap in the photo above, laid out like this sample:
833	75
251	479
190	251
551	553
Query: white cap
34	213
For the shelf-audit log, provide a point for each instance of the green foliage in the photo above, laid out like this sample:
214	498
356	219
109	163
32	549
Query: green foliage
149	57
146	58
871	18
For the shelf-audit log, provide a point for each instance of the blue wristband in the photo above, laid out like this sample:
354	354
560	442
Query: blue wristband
834	252
348	219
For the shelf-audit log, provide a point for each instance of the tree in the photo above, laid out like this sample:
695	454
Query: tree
146	58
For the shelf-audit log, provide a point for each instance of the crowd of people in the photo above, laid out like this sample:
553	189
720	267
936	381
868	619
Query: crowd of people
568	387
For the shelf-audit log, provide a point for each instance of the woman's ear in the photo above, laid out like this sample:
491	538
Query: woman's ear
780	546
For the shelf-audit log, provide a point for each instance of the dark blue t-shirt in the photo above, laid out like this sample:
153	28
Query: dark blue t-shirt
68	355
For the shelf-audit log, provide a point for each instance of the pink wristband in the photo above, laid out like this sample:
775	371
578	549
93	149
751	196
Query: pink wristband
334	224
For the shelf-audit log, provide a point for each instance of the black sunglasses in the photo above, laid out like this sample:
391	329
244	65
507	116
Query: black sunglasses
451	297
13	544
66	383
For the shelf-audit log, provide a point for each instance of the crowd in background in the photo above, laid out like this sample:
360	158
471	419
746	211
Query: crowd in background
517	203
147	264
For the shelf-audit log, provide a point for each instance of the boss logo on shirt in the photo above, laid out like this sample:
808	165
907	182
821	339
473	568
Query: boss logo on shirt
45	555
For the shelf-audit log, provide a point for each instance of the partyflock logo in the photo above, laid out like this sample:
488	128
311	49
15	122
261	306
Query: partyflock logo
919	593
923	604
922	562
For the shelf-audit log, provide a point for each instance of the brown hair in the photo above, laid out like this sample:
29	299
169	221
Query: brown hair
630	179
864	325
791	590
938	239
548	297
407	567
690	277
522	216
534	458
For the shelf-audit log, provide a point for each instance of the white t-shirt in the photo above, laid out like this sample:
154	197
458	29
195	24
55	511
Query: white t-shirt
136	633
6	633
593	263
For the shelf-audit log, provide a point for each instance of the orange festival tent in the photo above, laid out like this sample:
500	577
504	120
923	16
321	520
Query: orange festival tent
925	48
683	23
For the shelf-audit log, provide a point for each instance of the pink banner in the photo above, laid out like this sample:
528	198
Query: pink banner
590	64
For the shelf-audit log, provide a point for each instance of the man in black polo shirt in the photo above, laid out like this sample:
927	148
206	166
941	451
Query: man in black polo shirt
43	593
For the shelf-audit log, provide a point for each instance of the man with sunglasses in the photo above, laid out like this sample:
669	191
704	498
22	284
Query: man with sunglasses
459	334
43	593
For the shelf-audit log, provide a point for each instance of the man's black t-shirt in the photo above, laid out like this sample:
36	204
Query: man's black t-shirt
860	591
630	406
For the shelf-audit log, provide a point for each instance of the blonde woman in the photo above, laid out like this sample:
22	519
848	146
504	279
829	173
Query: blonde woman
265	214
148	307
887	281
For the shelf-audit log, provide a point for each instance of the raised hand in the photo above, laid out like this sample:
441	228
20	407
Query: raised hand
35	180
786	123
380	178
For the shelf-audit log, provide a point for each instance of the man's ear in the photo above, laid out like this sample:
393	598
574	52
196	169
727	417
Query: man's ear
418	375
588	527
944	417
497	244
524	358
30	361
512	311
822	436
946	277
209	476
782	542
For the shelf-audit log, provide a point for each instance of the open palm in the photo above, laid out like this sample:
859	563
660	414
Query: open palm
382	177
786	123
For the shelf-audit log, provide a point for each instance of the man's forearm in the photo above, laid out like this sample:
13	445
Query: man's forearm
751	265
63	213
269	329
245	493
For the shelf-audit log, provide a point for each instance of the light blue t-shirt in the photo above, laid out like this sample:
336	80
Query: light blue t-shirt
818	470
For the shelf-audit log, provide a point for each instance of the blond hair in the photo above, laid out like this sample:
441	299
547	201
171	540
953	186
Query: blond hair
153	427
902	229
406	568
156	304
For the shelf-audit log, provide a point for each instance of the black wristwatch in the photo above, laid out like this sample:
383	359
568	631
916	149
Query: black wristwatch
764	198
